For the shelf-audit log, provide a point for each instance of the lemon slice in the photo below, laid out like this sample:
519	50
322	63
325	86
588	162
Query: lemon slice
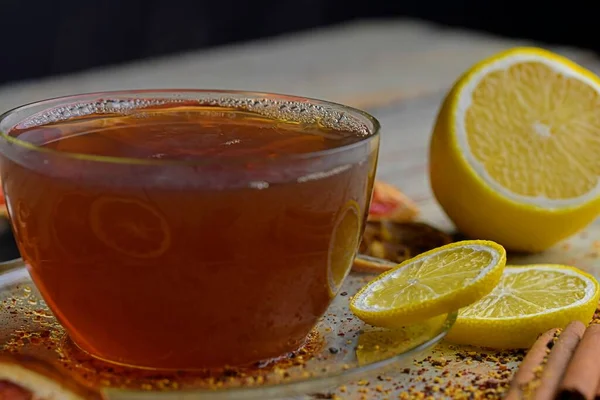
434	283
514	153
528	301
342	246
130	226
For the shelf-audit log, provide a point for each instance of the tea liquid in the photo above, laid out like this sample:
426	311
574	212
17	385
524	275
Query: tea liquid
216	244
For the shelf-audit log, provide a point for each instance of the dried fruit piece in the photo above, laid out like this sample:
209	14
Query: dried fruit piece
389	203
3	211
28	378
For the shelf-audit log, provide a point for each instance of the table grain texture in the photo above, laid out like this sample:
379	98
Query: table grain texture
399	70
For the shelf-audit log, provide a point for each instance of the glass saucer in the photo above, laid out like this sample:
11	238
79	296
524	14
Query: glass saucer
340	349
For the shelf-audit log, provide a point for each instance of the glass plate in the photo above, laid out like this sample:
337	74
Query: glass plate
340	349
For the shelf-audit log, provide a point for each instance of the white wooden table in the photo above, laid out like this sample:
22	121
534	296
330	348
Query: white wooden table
398	70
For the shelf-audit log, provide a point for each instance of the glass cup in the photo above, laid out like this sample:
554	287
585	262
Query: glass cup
155	248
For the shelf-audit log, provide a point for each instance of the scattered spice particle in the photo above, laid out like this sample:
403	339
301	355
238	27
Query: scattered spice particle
323	395
441	362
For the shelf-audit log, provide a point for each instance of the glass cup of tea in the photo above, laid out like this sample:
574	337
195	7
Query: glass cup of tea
187	229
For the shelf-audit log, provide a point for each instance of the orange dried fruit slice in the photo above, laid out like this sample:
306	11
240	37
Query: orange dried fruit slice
3	211
389	203
343	245
23	377
130	226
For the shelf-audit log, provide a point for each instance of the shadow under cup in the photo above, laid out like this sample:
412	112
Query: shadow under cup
203	259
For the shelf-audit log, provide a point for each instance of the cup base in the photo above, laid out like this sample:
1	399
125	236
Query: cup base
75	354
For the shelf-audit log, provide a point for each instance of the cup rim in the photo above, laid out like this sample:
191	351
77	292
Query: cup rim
10	119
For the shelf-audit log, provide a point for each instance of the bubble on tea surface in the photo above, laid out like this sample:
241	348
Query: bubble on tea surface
303	112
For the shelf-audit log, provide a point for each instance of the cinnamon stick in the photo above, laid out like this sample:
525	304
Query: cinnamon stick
558	360
533	360
583	373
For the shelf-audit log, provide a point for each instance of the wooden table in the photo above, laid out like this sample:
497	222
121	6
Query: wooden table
398	70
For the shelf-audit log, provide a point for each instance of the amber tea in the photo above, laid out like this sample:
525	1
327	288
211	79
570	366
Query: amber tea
185	235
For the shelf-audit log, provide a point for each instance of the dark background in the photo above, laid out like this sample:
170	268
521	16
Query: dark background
49	37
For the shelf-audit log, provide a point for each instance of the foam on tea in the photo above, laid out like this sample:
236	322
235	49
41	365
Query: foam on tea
185	235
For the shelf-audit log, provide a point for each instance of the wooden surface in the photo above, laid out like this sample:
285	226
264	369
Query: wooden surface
398	70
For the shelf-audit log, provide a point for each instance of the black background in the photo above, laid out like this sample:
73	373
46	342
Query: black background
48	37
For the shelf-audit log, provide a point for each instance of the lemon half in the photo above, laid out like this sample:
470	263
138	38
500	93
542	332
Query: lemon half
514	153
